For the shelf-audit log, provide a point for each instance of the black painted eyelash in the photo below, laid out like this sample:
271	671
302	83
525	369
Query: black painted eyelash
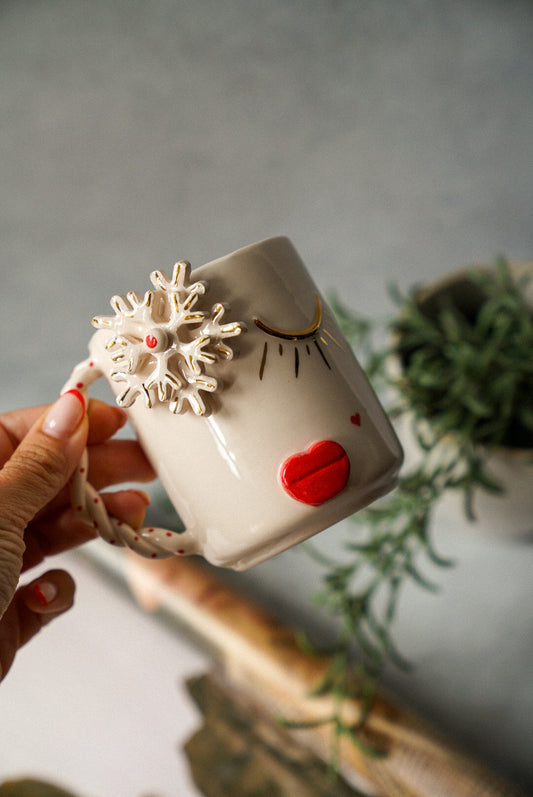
313	331
297	334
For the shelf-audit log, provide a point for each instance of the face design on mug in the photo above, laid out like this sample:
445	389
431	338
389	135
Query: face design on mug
165	347
311	336
320	472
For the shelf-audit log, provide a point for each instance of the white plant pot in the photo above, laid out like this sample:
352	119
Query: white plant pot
505	515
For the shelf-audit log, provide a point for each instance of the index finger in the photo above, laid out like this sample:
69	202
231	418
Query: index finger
104	421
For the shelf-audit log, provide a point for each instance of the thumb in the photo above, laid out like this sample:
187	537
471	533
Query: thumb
38	469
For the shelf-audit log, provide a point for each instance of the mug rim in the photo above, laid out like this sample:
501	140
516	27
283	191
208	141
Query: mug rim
243	249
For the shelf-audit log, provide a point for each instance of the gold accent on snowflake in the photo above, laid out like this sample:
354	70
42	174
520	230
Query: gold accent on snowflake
163	341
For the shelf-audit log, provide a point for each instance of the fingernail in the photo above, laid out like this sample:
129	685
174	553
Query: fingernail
65	415
122	415
142	495
46	592
79	396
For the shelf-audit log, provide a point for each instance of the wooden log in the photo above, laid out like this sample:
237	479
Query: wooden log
241	751
28	787
263	659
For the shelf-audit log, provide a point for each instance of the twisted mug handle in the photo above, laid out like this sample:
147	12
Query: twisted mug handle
150	542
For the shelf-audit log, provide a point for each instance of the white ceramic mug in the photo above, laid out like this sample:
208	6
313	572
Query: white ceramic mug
256	451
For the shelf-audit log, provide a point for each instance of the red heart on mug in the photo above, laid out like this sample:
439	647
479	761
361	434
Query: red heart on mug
316	475
356	419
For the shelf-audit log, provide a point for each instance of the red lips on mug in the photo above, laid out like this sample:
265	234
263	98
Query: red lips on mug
316	475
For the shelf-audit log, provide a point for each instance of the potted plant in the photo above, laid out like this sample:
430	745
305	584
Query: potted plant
454	365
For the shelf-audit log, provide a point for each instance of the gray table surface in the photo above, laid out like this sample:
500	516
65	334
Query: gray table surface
391	141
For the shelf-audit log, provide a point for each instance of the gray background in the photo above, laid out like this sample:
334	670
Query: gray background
390	140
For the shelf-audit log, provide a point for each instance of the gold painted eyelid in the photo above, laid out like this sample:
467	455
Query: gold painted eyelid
297	334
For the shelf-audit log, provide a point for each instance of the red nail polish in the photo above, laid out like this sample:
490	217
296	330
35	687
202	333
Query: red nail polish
64	417
40	594
78	395
46	592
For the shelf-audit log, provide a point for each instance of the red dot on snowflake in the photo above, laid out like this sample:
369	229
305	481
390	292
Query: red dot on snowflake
184	336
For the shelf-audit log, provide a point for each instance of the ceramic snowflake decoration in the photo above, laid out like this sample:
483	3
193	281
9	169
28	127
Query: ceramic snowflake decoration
162	342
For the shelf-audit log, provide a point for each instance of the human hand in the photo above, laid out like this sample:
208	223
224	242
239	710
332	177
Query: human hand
39	450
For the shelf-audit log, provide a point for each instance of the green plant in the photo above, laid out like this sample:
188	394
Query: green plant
465	376
467	359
